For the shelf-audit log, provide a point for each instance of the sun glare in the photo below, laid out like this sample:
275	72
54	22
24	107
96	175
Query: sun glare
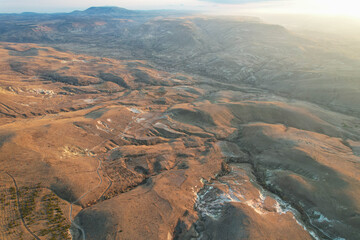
341	7
349	8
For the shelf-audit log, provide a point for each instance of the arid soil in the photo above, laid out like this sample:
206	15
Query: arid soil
99	148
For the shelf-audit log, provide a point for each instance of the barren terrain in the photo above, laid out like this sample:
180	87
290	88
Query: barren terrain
173	141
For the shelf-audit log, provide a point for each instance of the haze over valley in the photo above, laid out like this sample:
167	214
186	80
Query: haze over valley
174	124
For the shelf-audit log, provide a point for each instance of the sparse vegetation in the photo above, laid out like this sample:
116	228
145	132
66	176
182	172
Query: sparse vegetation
12	192
57	226
39	208
173	107
27	205
9	215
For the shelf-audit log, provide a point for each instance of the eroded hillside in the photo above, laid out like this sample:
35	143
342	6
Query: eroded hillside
235	50
98	148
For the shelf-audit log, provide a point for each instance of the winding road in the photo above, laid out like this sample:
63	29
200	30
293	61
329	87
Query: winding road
86	193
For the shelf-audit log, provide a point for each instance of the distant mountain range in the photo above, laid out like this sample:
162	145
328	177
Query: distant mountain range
106	12
241	50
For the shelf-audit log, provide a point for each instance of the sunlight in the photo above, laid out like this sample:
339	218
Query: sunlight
350	8
341	7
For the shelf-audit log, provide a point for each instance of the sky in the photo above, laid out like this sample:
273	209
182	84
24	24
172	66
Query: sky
322	7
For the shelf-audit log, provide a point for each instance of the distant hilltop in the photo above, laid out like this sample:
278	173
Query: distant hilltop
105	10
108	11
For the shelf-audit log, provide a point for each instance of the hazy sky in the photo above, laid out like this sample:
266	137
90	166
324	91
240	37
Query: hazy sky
338	7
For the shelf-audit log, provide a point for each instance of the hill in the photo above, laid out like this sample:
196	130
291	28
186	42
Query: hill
120	124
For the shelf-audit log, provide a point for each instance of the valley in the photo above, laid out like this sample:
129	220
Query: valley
138	126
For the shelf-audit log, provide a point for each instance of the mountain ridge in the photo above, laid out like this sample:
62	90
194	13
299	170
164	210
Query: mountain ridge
104	10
